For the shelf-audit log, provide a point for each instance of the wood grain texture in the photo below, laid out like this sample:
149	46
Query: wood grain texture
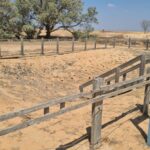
96	116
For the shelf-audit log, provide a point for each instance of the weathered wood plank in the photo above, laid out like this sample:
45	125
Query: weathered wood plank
22	46
129	43
65	110
40	119
57	46
123	83
117	75
124	72
96	116
146	103
142	66
119	91
42	46
114	42
130	62
95	44
122	66
81	87
41	106
148	135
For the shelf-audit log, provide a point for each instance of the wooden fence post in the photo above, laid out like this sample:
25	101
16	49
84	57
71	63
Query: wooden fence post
117	75
22	46
85	48
73	44
147	44
129	43
142	66
124	77
147	97
0	52
57	47
42	46
62	105
106	43
148	135
114	42
46	110
96	117
108	83
95	44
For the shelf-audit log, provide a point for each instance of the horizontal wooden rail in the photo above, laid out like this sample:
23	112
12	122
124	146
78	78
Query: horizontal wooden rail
113	71
30	122
42	106
120	91
124	72
122	66
124	83
41	119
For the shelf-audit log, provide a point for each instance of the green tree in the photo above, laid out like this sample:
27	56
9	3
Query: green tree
8	19
29	15
68	14
87	30
26	18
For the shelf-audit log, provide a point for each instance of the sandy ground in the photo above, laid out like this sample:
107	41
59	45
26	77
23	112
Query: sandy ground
28	81
136	35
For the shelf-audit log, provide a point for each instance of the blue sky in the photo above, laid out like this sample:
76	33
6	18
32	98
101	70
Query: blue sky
119	15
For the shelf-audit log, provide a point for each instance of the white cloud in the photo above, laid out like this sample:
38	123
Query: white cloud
111	5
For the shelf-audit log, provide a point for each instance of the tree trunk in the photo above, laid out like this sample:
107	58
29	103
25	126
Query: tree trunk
48	32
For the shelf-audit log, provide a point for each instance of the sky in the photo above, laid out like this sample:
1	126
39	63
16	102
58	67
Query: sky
120	15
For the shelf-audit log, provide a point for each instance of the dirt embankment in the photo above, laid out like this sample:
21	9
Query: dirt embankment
25	82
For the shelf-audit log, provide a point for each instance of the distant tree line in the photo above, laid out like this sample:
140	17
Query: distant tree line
31	16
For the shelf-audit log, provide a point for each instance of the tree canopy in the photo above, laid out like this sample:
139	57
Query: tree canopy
51	15
8	19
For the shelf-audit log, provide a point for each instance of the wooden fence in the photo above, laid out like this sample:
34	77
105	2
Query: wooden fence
95	43
102	87
127	42
45	47
121	71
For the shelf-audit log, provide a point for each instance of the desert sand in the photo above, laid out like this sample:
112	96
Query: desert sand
27	81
